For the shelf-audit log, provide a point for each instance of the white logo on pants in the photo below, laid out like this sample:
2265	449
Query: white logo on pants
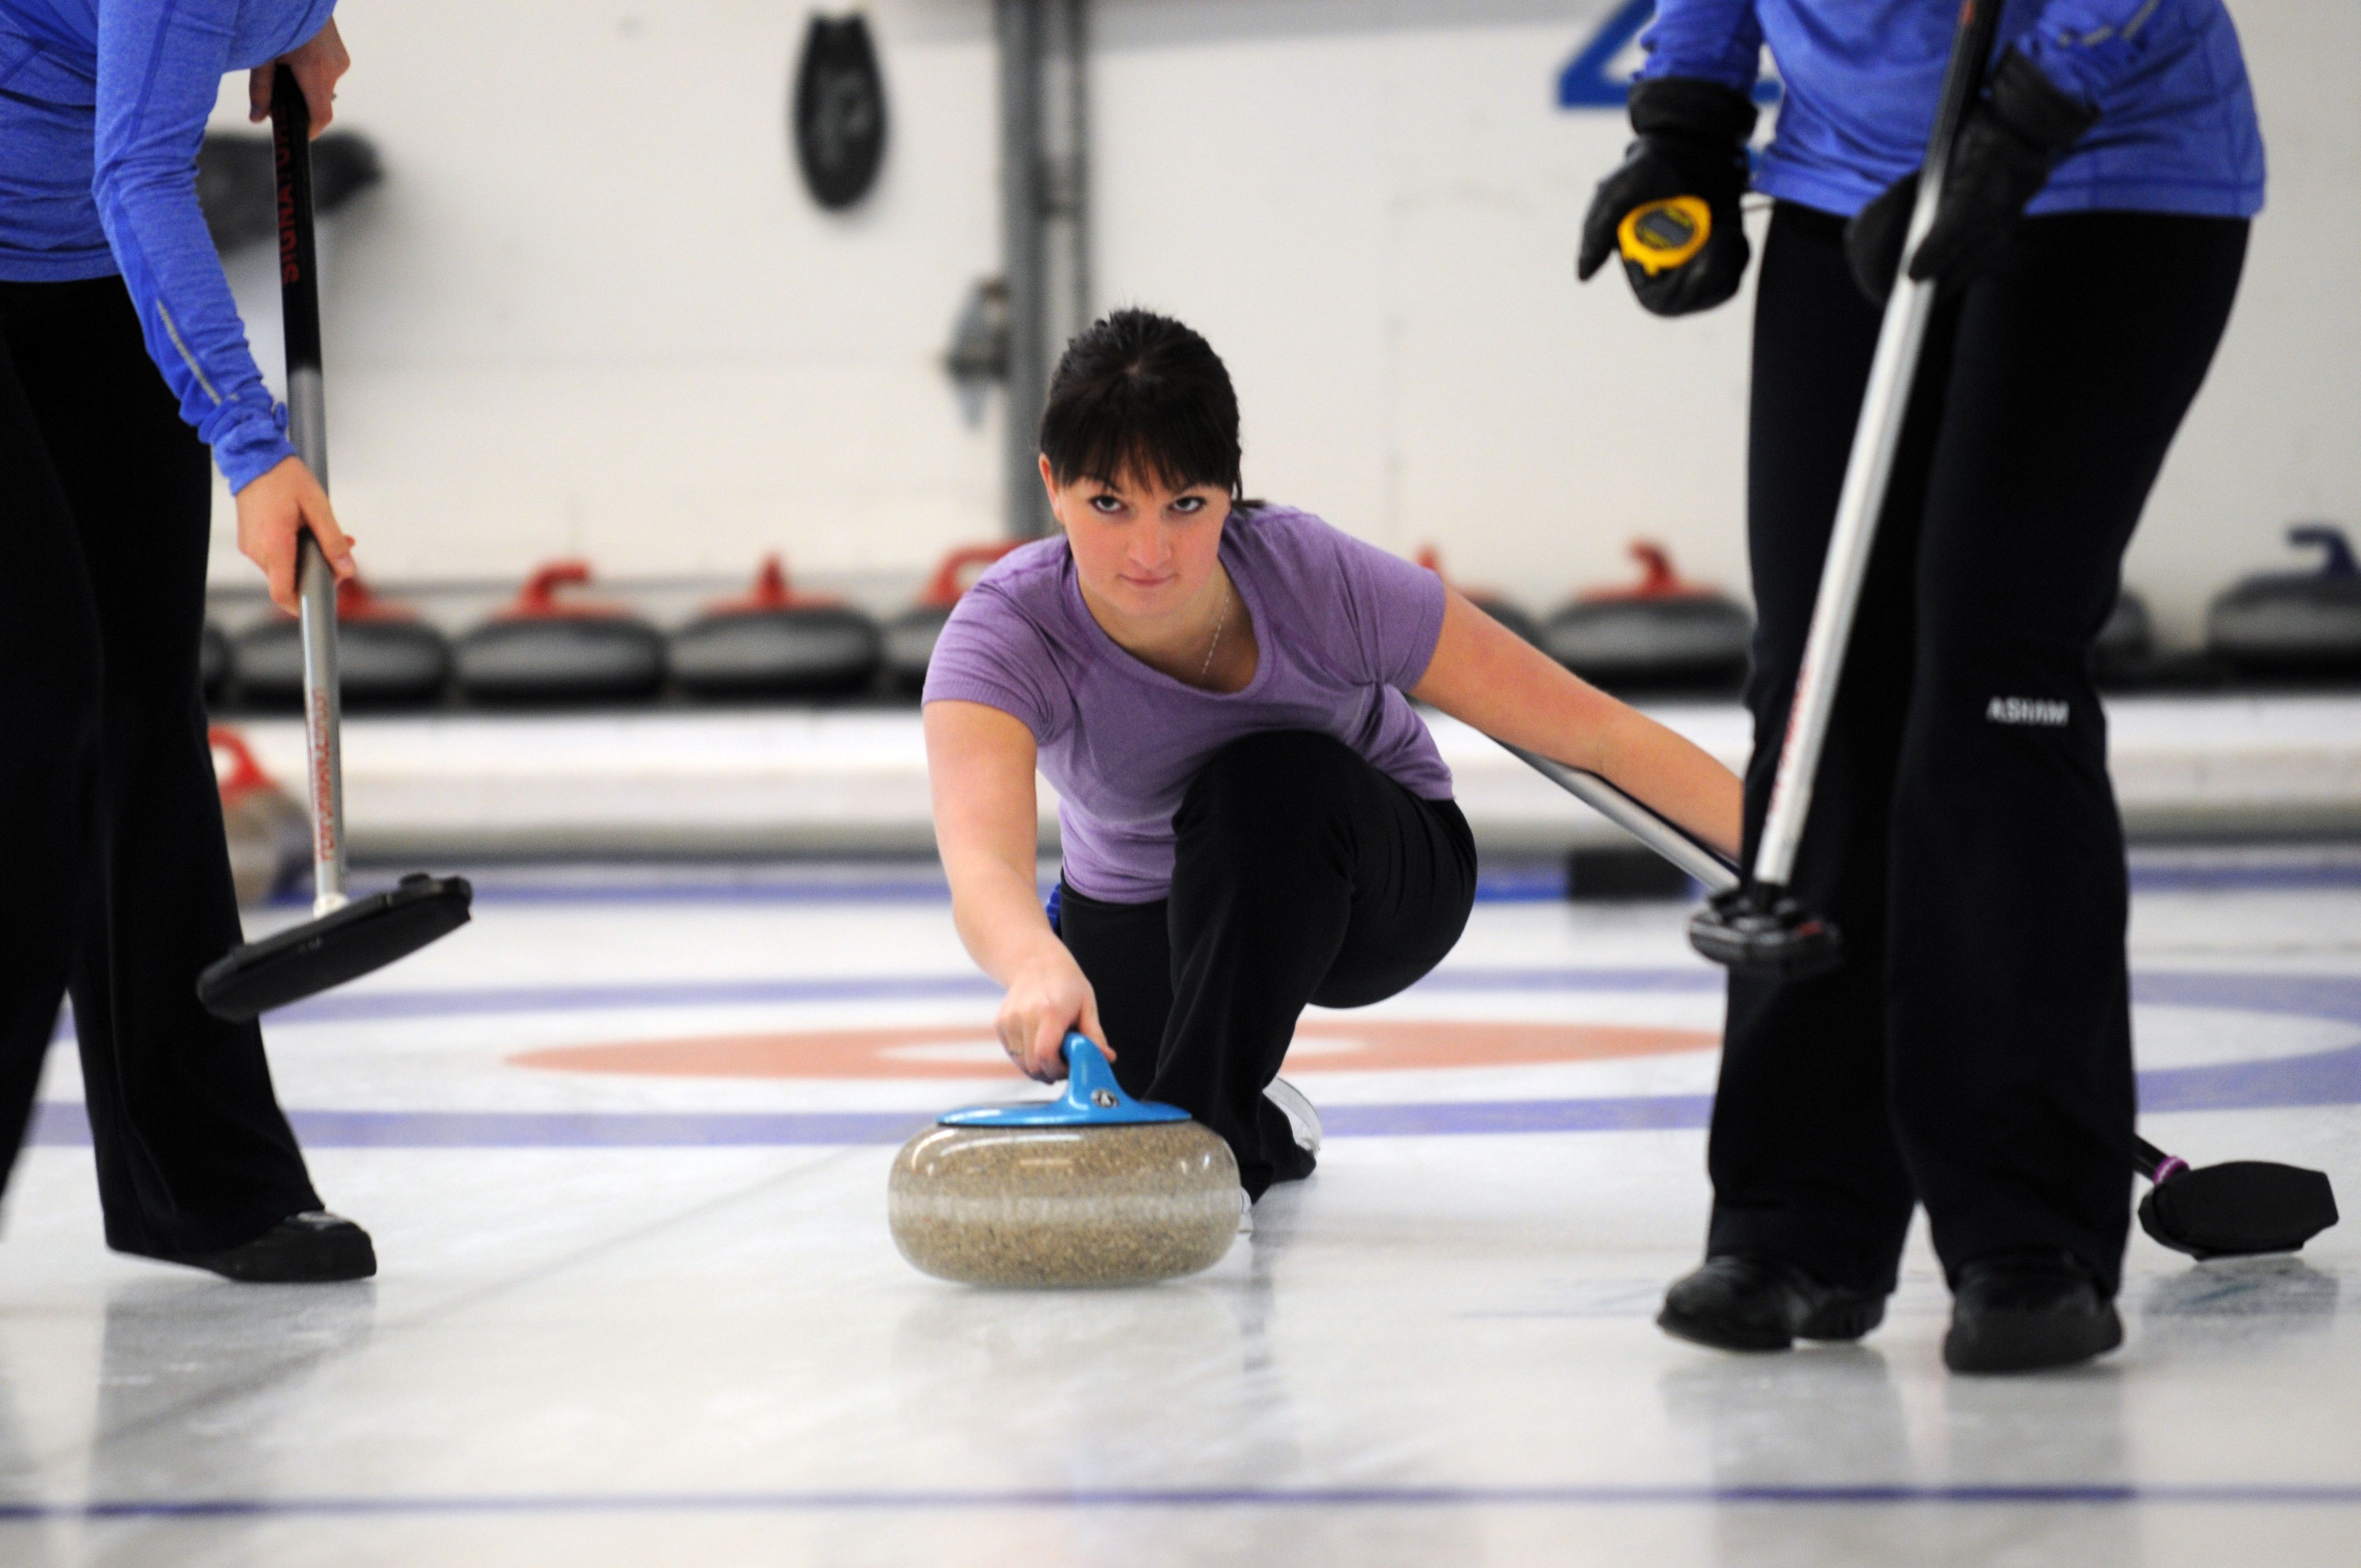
2044	712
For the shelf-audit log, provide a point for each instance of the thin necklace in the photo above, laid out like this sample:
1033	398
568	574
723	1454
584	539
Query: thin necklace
1219	621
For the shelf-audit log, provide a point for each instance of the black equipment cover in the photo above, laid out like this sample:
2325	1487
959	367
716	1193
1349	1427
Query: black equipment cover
837	117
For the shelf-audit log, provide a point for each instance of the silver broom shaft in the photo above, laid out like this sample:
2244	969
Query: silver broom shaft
1654	831
307	422
1885	403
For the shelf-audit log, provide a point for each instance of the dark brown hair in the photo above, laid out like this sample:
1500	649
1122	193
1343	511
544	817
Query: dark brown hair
1141	392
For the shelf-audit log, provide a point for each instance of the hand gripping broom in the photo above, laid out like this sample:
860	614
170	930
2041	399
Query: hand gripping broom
346	937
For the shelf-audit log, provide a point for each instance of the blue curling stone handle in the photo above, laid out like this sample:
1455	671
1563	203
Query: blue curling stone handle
1092	1098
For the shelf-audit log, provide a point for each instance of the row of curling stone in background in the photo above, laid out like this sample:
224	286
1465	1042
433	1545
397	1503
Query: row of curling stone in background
1668	635
549	648
2267	628
772	641
1664	633
386	655
1092	1188
1506	612
2298	624
775	641
213	664
554	647
910	636
270	834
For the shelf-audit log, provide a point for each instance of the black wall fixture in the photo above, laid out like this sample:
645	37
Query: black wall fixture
837	117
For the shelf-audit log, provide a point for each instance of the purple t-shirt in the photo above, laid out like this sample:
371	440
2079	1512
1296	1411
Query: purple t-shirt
1342	626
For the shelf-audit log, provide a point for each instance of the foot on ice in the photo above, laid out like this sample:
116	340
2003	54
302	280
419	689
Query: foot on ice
1737	1302
2023	1311
309	1248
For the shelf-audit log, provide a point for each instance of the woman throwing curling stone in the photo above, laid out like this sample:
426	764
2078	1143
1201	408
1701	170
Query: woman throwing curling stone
1255	818
111	848
1975	1052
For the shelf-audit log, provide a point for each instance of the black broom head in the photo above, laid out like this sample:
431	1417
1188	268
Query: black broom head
365	935
2239	1208
1763	931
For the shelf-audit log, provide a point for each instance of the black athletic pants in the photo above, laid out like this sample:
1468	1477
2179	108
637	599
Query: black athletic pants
1975	1052
1302	874
115	875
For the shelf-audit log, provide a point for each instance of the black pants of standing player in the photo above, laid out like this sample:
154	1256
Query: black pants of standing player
111	849
1301	874
1975	1052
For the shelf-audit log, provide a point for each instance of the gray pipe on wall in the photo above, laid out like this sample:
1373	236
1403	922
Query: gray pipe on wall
1044	183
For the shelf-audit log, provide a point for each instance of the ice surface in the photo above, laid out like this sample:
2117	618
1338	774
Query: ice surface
599	1339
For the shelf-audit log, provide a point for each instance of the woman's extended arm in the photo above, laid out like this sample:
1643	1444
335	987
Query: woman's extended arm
980	766
1483	674
159	71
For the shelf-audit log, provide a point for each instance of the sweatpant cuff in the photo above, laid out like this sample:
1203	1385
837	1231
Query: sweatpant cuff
212	1235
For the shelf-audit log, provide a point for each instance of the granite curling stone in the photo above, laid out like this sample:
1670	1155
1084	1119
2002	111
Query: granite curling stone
269	835
1094	1188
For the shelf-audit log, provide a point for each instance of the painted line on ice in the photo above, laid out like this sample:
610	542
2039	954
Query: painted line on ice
462	1002
65	1124
1508	885
2068	1495
2328	996
1541	884
2323	1078
2331	1079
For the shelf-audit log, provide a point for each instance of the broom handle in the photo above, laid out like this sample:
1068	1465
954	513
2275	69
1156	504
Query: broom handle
1871	468
307	426
1717	875
1658	833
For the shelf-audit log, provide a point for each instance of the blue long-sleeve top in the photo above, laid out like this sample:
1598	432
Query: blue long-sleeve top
2175	131
103	106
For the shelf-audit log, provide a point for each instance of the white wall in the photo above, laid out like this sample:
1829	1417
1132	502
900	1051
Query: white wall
592	309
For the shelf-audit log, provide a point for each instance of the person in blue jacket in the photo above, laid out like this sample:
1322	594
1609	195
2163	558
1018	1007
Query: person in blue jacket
122	360
1973	1054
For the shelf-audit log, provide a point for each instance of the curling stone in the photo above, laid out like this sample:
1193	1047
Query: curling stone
213	664
542	649
385	657
2293	623
237	182
910	636
1506	612
2124	648
1093	1188
269	835
776	643
1663	633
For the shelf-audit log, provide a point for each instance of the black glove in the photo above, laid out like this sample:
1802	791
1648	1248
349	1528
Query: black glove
2003	159
1692	143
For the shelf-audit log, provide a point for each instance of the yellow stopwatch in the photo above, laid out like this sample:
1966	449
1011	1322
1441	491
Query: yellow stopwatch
1660	236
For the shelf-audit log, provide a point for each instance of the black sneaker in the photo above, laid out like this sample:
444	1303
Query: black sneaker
311	1248
1738	1302
2026	1311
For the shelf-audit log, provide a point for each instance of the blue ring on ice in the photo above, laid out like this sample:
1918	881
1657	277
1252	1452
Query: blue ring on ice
2320	1078
2072	1495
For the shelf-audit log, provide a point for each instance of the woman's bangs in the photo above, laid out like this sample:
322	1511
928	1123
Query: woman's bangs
1175	448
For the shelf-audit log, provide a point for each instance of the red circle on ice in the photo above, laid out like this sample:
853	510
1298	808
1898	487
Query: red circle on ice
1323	1045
